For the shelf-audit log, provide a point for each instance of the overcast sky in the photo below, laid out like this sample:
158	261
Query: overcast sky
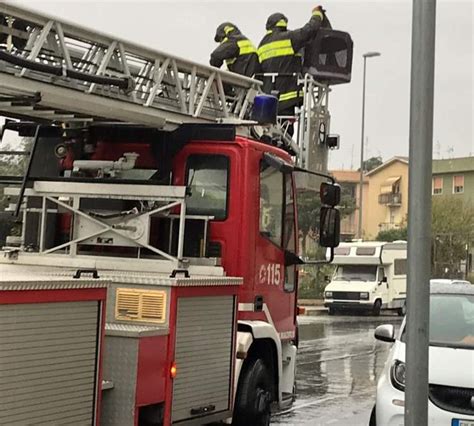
186	29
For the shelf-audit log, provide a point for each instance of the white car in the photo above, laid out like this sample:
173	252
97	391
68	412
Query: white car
451	362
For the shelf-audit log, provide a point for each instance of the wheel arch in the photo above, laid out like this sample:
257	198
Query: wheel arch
266	344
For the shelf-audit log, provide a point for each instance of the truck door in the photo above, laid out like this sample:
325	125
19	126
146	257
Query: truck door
275	281
383	285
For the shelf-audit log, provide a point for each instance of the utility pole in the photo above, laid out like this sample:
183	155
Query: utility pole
361	180
419	211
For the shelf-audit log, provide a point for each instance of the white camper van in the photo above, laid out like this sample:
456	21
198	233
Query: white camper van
369	276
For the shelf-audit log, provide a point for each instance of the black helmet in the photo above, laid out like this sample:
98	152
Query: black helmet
276	20
223	30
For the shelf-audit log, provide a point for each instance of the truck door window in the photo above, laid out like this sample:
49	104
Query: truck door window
271	203
208	180
381	274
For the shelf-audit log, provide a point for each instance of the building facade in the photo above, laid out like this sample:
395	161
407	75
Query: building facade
350	184
386	204
454	177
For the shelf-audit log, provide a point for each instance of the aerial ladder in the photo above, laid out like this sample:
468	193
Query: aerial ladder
45	63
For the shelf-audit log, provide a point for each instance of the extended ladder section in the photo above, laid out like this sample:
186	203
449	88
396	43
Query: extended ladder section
54	71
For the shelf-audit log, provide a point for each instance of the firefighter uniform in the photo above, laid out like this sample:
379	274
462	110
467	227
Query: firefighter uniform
238	52
278	52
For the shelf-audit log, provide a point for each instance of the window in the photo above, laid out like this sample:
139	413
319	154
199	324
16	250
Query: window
355	273
208	180
458	184
437	185
271	203
400	266
365	251
381	274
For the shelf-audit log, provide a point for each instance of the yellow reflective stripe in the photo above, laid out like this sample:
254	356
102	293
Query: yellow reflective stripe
269	32
318	13
288	95
228	29
224	40
281	23
246	47
230	61
275	49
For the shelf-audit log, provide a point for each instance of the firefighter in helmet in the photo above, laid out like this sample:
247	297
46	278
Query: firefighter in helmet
238	52
279	52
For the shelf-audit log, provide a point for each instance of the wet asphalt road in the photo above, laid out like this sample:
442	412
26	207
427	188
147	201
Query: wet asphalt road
338	364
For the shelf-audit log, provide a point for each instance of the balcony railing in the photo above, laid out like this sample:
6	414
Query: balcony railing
391	199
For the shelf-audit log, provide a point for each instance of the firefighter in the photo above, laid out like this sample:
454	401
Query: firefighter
278	52
238	52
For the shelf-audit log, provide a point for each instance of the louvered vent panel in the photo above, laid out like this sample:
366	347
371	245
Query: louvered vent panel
48	360
140	305
203	356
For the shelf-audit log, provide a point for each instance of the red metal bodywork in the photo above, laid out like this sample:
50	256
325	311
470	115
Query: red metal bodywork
18	297
244	249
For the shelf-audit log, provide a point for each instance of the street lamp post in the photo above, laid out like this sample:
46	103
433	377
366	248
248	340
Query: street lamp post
361	183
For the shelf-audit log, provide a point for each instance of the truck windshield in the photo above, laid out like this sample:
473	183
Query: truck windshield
355	273
451	321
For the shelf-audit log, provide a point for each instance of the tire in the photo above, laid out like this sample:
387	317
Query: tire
377	307
402	311
372	421
332	311
254	395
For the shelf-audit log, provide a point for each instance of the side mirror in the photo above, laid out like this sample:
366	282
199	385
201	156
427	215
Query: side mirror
383	280
330	193
385	333
326	278
330	224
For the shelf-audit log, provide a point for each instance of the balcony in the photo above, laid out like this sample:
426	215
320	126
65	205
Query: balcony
391	199
386	226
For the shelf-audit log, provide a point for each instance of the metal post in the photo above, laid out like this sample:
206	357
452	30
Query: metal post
419	211
361	181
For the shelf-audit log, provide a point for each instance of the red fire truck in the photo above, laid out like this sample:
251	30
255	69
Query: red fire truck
153	276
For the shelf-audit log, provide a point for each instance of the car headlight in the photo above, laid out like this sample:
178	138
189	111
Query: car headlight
328	294
364	296
397	375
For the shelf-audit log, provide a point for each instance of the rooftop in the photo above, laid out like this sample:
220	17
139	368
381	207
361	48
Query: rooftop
453	165
387	163
352	176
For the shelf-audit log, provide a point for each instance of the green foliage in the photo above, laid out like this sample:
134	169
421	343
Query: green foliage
312	281
393	235
371	163
452	235
309	206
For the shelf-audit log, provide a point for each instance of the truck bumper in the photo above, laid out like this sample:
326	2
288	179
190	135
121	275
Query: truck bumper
345	304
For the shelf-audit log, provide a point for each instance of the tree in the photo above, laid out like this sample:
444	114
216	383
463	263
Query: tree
371	163
390	235
452	235
309	206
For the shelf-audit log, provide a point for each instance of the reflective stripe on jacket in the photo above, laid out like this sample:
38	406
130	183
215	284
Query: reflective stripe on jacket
239	54
278	52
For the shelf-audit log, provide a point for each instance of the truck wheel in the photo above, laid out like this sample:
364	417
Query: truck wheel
332	311
402	311
254	396
377	307
372	421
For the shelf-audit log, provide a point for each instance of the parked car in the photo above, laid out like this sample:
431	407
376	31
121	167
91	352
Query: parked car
451	362
448	281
